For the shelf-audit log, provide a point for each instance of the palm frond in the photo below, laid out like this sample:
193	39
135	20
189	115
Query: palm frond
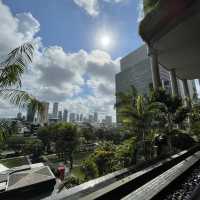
13	67
157	106
4	129
21	99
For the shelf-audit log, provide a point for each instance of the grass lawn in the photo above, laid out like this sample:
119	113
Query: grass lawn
14	162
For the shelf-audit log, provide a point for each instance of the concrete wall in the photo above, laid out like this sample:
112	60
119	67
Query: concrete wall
134	58
139	76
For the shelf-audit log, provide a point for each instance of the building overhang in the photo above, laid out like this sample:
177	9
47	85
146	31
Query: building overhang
172	28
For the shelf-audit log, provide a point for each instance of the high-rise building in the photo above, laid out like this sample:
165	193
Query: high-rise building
19	115
136	71
43	117
30	113
65	115
95	117
60	117
81	117
91	118
55	110
77	117
107	121
72	117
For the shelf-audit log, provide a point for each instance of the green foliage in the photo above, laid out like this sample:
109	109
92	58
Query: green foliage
138	114
89	169
45	135
195	113
15	64
88	133
101	162
16	143
195	129
124	153
109	134
67	141
104	158
170	107
181	140
11	71
149	5
71	181
34	147
14	162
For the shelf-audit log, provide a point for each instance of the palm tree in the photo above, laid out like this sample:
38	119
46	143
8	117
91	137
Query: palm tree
11	71
136	113
172	108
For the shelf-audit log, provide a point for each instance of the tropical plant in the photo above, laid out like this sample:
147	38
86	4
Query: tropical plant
11	71
172	111
104	157
34	147
137	114
45	135
124	153
88	132
149	5
16	143
67	141
89	169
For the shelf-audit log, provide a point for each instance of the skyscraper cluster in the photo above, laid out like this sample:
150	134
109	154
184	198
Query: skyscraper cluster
63	116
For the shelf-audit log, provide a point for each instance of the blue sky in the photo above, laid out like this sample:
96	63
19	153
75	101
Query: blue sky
71	64
65	24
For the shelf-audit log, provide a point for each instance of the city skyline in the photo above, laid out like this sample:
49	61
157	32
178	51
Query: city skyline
87	57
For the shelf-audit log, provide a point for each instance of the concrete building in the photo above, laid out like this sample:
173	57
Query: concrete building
72	117
65	115
26	181
136	71
30	114
44	116
108	121
60	116
19	116
77	117
175	43
81	117
91	119
55	110
95	117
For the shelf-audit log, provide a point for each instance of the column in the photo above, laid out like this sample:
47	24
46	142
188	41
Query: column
155	68
174	82
186	88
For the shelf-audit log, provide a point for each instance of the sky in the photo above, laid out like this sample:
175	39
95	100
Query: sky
78	46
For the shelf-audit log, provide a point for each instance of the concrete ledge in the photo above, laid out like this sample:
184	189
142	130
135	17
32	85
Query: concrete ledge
155	186
165	15
122	182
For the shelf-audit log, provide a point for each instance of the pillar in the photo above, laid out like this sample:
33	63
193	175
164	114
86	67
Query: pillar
174	82
155	68
186	88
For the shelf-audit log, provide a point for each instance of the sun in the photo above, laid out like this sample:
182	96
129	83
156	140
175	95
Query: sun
105	41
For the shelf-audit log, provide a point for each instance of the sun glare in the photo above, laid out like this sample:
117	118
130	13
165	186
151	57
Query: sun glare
105	41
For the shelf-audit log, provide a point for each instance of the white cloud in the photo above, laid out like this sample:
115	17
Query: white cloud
16	30
81	81
92	7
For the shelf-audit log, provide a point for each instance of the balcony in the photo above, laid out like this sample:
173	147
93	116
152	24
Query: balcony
172	29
